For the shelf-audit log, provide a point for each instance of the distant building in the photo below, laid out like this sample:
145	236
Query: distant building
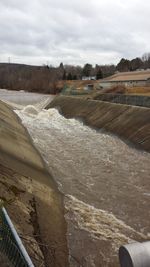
89	78
128	79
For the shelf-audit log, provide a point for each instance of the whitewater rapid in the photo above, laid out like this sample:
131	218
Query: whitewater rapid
105	183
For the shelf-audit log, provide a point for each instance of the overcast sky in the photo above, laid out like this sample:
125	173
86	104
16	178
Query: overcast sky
73	31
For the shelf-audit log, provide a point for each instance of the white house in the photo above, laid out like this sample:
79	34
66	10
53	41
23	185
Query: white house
89	78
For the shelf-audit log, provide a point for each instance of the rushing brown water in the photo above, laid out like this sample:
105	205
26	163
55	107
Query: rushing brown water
105	183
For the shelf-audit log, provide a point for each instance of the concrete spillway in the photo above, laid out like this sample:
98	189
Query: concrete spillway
105	181
18	155
128	122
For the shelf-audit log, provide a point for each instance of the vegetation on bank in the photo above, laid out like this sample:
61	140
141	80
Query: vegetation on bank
46	79
49	79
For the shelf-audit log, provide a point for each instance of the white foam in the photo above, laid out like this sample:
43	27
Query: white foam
94	167
30	109
99	223
83	162
84	151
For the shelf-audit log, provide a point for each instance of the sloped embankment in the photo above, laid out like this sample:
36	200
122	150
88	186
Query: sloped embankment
128	122
36	205
135	100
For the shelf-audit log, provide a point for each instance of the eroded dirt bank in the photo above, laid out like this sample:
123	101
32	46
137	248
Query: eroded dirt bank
128	122
32	198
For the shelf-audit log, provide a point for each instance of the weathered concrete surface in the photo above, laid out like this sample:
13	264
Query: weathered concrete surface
128	122
18	154
134	100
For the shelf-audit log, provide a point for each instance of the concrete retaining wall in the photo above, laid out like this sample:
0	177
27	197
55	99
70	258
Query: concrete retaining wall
128	122
135	100
18	154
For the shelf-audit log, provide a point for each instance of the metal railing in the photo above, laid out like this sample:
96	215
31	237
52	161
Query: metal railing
11	244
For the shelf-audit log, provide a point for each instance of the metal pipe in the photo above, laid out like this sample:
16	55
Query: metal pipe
17	238
135	255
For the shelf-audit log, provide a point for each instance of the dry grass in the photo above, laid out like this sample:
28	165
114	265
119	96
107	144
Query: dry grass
79	85
118	89
138	91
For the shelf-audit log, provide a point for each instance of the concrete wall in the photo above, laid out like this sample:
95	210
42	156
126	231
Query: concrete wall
135	100
18	153
128	122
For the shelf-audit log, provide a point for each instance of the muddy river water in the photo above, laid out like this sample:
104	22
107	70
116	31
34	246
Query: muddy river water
105	184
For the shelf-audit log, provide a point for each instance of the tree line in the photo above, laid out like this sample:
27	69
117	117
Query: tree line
49	79
134	64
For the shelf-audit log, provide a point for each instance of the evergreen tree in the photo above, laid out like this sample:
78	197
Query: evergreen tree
135	64
64	76
87	70
75	77
69	77
99	74
61	66
123	65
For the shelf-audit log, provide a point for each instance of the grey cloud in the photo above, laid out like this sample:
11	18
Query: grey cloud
74	31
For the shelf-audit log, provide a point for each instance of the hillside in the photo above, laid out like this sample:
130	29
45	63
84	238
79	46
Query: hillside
29	78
